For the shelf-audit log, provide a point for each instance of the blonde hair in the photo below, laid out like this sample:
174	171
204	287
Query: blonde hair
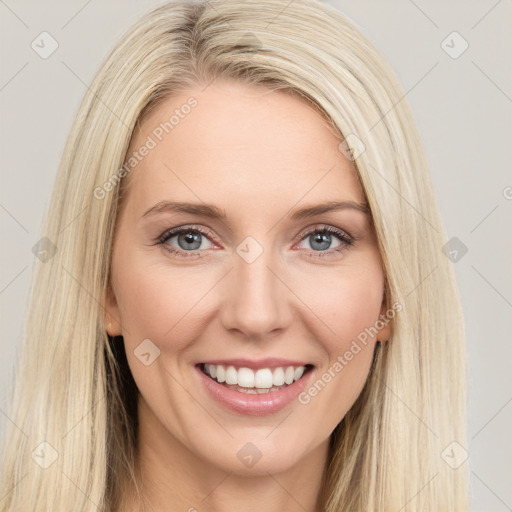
73	387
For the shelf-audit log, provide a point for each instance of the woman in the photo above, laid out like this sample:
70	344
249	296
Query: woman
249	306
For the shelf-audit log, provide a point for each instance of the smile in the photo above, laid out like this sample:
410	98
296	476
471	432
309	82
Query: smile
246	380
254	391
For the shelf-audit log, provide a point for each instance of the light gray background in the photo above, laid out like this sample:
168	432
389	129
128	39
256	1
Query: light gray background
463	110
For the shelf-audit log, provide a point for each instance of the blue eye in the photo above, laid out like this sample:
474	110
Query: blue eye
320	240
190	241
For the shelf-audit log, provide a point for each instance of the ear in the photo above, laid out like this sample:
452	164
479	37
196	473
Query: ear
112	317
384	332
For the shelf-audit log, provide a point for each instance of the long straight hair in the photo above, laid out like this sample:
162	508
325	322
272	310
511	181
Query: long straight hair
73	390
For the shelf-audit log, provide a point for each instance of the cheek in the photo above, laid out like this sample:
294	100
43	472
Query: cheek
343	302
161	303
346	306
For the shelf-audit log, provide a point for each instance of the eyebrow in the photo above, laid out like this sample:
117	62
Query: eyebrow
212	211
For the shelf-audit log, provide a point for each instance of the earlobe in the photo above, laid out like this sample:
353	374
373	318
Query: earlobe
383	325
113	329
384	335
112	320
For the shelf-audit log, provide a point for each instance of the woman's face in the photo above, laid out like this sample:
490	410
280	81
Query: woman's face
256	283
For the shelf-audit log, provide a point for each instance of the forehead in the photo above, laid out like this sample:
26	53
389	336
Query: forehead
238	141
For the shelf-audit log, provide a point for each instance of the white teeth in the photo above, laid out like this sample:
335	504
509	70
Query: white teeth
231	375
221	373
299	371
245	378
289	374
263	378
278	377
249	391
250	381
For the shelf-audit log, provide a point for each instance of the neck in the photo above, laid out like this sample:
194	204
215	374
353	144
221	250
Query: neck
167	472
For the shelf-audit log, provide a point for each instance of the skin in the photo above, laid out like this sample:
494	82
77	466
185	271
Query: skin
259	155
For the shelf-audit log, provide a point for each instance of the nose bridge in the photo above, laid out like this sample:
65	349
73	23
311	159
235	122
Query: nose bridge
256	302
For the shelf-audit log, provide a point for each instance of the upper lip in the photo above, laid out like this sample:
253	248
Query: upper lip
256	364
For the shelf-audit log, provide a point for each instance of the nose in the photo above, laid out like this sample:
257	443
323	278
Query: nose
256	302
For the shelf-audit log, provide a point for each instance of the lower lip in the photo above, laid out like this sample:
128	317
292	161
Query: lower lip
254	405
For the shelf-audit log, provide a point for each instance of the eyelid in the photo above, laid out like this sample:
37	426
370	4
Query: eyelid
169	233
345	238
327	228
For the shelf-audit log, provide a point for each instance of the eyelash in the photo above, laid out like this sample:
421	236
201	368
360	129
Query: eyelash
346	239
